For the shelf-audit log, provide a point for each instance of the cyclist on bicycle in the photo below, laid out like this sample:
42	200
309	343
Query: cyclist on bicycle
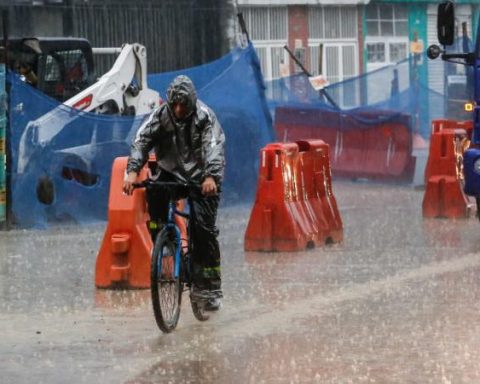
189	147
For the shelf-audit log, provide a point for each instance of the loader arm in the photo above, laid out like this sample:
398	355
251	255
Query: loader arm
123	89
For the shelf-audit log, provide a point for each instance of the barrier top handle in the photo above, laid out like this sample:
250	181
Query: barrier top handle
287	147
310	145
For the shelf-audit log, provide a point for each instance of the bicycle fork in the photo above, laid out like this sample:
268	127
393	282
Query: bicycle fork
178	250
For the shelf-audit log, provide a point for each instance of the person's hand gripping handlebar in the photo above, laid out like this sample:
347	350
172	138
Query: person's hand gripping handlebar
128	182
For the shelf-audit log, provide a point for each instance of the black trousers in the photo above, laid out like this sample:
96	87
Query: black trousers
206	273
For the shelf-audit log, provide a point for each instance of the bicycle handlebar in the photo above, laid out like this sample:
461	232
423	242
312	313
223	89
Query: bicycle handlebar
174	188
150	182
167	184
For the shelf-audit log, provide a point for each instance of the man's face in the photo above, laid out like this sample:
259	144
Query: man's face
23	68
180	111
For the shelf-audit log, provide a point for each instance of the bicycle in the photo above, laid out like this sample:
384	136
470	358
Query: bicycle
171	261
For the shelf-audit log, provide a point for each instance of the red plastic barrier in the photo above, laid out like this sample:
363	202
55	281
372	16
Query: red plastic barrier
294	194
123	260
272	226
443	124
388	150
441	160
293	209
317	179
444	196
124	256
383	151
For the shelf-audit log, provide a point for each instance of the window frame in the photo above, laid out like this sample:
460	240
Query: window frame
379	19
341	76
269	46
248	13
371	66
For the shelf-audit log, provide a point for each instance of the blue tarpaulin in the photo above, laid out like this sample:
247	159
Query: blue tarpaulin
74	151
62	158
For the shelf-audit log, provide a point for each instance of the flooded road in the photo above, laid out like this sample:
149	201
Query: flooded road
397	302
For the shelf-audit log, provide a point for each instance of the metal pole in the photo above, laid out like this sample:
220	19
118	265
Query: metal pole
320	59
243	26
299	63
323	92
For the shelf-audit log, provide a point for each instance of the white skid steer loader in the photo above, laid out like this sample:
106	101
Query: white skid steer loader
122	91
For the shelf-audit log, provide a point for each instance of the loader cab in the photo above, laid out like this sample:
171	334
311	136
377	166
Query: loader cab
62	67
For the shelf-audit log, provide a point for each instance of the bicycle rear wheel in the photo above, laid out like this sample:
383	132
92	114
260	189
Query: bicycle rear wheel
166	289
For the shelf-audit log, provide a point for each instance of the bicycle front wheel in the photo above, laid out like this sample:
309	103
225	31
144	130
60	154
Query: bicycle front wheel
166	289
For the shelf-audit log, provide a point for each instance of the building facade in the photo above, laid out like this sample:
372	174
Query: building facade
177	33
345	38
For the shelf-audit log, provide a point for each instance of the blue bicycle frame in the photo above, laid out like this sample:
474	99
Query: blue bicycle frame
172	211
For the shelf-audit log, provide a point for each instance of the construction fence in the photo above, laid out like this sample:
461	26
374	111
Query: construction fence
61	158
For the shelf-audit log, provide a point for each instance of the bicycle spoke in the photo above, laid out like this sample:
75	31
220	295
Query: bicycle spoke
167	286
168	299
166	289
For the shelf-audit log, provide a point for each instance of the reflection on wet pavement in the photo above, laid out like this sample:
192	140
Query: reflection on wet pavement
397	302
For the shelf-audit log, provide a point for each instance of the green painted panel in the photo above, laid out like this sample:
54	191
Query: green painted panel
417	28
364	29
475	20
417	21
417	25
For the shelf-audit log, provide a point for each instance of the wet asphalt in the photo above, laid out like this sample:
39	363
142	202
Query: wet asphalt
396	302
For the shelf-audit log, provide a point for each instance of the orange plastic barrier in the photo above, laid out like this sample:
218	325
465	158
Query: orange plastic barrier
294	207
297	205
382	151
317	185
124	256
444	196
123	260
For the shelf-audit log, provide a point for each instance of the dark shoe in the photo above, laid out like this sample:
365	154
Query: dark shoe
213	305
